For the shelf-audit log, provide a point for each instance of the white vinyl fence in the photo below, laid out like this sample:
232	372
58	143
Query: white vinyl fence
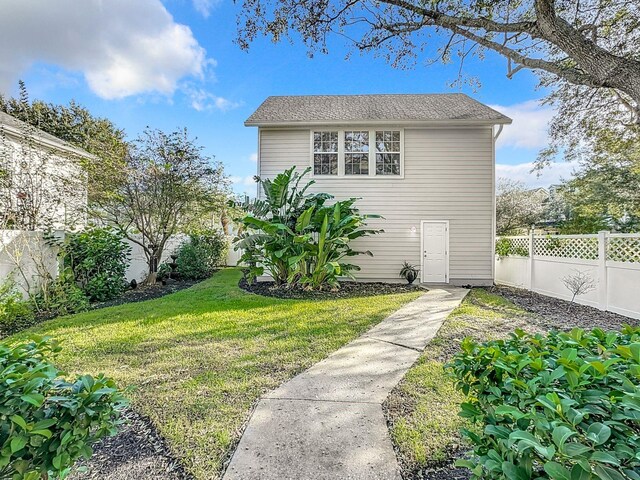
26	256
540	262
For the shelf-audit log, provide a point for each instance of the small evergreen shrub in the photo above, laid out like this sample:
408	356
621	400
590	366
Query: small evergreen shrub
15	313
48	422
202	254
98	259
565	406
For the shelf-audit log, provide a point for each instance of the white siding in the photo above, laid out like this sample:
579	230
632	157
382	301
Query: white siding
448	175
53	178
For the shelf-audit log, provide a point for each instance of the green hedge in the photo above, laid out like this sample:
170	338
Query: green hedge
563	406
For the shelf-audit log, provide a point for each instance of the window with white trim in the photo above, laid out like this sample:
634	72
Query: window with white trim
387	152
356	152
325	153
359	152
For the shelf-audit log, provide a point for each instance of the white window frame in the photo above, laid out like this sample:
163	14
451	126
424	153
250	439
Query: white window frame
313	153
372	152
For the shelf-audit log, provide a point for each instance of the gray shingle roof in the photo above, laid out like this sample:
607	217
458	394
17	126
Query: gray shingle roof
407	108
21	128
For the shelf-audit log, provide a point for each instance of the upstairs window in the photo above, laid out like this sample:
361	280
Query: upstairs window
387	152
325	153
356	152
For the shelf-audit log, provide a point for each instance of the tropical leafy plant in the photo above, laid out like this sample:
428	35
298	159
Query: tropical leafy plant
295	237
409	272
48	422
565	406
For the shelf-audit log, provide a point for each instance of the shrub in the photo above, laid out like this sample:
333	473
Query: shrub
60	297
199	257
98	259
563	406
15	313
47	422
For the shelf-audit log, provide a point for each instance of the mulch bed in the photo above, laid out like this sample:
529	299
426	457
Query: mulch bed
136	452
563	315
346	290
146	292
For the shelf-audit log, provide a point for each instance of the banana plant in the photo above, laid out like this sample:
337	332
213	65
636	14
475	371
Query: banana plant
295	237
340	224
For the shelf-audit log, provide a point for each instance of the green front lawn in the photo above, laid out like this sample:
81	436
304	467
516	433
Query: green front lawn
423	409
200	358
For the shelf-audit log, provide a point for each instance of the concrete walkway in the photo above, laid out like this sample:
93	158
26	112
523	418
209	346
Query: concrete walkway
327	422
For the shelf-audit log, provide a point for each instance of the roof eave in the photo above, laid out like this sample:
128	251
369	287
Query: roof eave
420	123
62	147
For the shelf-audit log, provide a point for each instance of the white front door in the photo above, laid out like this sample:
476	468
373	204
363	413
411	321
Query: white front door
435	254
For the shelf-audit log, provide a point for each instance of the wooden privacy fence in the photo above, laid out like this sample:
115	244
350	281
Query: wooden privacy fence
540	263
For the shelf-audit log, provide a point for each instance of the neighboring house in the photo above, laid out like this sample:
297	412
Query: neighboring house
426	163
42	183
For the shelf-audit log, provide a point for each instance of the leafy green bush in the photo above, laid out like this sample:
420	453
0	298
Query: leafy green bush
565	406
62	296
15	313
47	422
199	257
295	237
98	259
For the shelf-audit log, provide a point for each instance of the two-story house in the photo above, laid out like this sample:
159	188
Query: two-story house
425	162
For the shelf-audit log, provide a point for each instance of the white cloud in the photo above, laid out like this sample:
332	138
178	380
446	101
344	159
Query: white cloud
122	47
550	175
202	100
254	157
529	127
204	7
247	181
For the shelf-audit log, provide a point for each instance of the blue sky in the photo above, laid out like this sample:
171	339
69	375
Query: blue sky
174	64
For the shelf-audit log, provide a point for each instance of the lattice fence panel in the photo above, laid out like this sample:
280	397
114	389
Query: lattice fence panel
513	246
624	249
585	248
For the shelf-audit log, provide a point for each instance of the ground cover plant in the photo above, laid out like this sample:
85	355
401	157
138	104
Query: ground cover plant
48	422
558	406
201	357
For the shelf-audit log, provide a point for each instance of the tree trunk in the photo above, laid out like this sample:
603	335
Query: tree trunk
605	68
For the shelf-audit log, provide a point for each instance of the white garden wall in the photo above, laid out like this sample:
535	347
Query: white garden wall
25	255
138	268
611	260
